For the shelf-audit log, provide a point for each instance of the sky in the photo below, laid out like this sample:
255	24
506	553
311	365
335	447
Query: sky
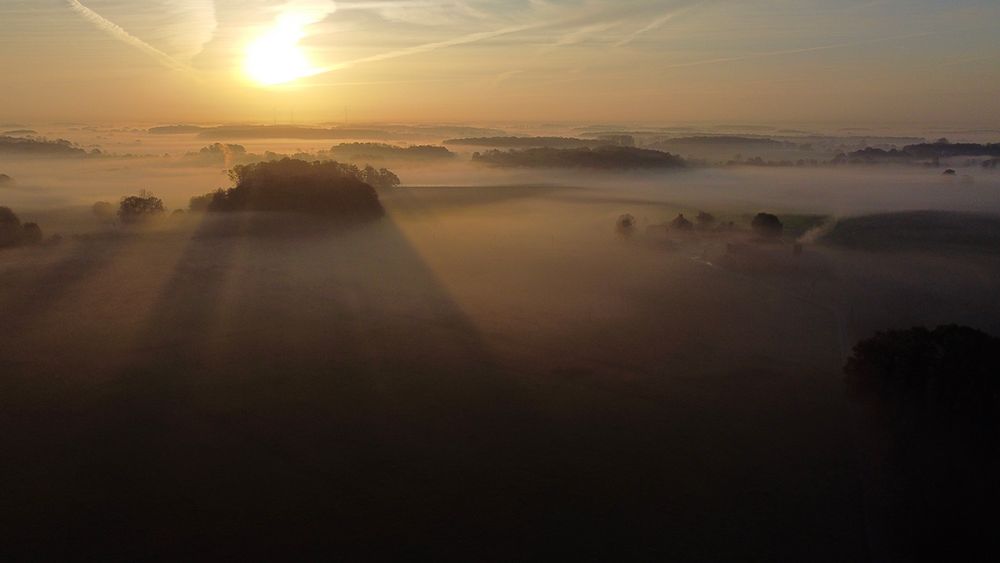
845	62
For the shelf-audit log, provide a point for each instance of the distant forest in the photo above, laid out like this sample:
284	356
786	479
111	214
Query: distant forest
607	157
921	151
35	146
526	142
374	151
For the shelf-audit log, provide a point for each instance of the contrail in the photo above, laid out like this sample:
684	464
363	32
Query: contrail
118	32
427	47
660	21
655	24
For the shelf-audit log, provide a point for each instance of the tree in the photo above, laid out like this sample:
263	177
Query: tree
705	220
931	400
328	188
680	223
203	202
10	228
138	208
950	371
625	225
767	225
13	233
381	178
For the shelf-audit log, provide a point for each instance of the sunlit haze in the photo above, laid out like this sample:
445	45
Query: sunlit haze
841	62
500	280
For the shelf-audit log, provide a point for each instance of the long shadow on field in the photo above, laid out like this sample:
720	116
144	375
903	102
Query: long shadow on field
326	394
285	394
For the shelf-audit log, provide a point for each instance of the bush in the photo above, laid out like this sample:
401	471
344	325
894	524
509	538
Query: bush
767	225
13	233
327	189
680	223
10	228
138	208
625	225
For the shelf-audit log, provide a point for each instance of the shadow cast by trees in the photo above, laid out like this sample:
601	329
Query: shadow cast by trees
283	392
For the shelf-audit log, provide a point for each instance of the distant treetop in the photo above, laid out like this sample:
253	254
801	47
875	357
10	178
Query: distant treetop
607	158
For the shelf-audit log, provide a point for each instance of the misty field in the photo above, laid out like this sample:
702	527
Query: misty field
487	371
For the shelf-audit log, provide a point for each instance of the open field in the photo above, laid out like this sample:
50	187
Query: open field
487	372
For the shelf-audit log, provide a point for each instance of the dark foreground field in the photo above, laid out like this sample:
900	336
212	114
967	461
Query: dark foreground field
476	377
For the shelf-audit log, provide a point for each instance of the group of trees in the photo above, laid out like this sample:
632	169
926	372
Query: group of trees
919	152
37	146
931	405
139	208
132	210
14	233
318	188
528	142
767	225
383	151
605	157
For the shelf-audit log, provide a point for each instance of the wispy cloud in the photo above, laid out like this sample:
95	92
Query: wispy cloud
428	47
655	24
580	34
119	33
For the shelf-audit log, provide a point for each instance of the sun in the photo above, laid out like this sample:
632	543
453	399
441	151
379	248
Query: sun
276	58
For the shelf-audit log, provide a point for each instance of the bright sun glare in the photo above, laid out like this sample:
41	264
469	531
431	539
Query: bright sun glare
276	58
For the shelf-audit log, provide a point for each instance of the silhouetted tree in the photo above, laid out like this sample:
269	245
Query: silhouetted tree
705	220
10	228
680	223
202	202
381	178
13	233
767	225
142	207
625	225
319	188
934	395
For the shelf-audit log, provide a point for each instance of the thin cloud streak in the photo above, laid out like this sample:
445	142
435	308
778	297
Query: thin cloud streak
578	35
653	25
428	47
121	34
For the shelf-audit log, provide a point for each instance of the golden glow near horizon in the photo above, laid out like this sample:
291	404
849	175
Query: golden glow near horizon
751	61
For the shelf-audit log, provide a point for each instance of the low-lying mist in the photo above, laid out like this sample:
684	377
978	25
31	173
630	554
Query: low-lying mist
495	357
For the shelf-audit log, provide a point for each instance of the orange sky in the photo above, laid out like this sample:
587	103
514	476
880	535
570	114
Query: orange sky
913	62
